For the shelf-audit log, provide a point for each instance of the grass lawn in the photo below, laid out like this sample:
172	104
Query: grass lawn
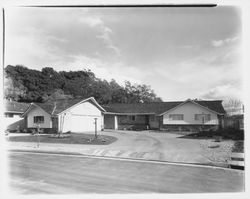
72	138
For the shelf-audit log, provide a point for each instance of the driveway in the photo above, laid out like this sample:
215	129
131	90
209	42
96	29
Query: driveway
147	145
66	174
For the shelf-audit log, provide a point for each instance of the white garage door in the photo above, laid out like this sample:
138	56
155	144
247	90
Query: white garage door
81	123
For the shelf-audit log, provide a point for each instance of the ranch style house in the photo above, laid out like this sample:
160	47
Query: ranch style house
86	115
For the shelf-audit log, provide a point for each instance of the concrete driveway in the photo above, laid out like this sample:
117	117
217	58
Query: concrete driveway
147	145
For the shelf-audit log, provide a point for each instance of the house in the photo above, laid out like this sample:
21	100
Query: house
76	115
189	115
12	114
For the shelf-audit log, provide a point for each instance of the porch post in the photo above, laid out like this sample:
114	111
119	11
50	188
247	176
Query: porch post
116	122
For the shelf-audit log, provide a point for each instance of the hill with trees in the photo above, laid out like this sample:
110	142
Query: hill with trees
27	85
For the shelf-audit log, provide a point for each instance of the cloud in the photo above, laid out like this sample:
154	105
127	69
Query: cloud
219	43
224	92
91	21
105	32
104	70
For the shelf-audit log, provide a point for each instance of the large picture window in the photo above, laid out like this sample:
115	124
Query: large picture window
176	116
201	117
38	119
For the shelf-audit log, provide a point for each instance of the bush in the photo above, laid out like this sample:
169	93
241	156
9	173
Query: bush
224	133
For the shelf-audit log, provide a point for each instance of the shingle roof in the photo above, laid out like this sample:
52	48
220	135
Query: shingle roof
57	106
12	106
160	107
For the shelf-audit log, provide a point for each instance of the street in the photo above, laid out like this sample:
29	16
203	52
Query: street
43	173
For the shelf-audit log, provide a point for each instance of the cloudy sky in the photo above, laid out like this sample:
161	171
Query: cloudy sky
180	52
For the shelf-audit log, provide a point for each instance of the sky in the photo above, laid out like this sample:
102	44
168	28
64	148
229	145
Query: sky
180	52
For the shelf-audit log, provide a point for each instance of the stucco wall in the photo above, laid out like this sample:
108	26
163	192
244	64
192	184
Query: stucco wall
81	118
189	110
36	111
109	121
154	121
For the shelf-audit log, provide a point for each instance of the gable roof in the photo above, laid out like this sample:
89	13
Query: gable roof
58	106
18	107
159	108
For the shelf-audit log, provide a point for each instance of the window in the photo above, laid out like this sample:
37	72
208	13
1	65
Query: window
9	115
176	116
131	117
201	117
39	119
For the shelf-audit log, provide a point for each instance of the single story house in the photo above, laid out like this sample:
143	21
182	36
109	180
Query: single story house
12	114
75	115
189	115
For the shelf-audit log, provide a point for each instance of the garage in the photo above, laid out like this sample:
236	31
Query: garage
83	123
67	115
82	118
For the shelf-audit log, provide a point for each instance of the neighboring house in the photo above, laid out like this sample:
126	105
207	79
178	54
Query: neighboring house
12	115
182	115
75	115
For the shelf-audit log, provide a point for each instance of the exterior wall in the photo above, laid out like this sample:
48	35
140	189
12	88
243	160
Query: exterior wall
126	119
109	121
190	127
154	122
81	118
36	111
15	122
189	110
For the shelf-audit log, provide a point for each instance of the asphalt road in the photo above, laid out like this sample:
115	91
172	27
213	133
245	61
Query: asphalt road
56	174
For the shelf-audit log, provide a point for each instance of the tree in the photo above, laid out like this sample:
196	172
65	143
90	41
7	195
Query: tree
23	84
233	106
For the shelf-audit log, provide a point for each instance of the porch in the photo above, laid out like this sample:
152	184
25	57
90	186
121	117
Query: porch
131	121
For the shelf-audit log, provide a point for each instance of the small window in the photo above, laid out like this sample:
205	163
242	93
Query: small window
131	117
176	116
38	119
9	115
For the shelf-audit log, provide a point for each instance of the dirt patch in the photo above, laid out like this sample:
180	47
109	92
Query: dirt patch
216	152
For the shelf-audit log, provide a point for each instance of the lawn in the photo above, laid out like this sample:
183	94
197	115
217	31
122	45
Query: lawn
72	138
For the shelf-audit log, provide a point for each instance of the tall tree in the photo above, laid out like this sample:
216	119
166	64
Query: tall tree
233	106
23	84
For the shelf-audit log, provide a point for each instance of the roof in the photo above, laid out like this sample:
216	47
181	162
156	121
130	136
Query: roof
58	106
160	107
12	106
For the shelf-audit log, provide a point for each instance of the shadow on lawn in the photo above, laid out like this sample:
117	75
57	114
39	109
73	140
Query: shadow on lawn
223	134
72	138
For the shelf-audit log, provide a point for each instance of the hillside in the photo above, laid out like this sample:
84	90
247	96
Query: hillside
27	85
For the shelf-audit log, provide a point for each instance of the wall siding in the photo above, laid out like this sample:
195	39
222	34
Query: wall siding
189	110
36	111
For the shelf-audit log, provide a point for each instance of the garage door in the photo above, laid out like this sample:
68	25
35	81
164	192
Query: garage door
81	123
